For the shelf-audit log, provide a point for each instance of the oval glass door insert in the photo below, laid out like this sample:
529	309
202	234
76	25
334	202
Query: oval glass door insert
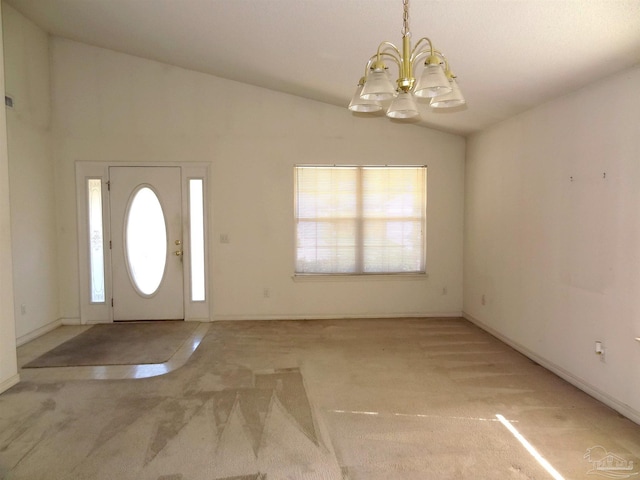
146	241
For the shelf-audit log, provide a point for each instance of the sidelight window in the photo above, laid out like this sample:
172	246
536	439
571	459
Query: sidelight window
196	235
96	240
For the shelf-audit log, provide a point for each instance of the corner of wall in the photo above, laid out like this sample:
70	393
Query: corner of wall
8	360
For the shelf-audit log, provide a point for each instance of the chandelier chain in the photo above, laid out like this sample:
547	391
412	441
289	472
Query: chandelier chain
405	17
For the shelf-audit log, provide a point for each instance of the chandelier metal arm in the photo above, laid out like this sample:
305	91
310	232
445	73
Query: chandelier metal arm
417	46
447	69
383	49
437	55
419	56
376	58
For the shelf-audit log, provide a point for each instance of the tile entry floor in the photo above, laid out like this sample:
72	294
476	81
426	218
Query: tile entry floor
378	399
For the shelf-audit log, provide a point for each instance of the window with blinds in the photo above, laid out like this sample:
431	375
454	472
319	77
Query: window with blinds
360	219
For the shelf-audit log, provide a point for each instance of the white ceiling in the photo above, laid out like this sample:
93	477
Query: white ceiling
509	55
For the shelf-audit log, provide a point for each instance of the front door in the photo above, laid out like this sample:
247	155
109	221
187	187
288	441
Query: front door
146	243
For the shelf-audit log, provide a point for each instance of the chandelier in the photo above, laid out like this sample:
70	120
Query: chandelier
437	82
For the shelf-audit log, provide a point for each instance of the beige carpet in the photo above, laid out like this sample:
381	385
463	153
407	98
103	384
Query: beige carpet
391	399
132	343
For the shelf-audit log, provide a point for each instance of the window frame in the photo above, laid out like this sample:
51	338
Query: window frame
360	220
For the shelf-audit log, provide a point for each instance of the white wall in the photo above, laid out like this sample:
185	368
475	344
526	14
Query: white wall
31	175
113	107
552	236
8	364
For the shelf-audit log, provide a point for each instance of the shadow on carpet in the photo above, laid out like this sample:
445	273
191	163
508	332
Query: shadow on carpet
133	343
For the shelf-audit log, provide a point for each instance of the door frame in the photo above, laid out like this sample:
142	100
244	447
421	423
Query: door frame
102	312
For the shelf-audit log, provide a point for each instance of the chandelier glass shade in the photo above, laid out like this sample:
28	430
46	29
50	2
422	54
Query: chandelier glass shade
378	85
403	106
436	83
363	105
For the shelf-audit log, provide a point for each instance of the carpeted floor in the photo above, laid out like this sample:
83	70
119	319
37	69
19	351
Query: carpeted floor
131	343
393	399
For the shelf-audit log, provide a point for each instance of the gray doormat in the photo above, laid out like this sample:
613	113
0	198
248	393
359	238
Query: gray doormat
132	343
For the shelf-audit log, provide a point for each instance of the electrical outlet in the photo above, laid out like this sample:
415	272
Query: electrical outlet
266	293
444	290
483	300
23	309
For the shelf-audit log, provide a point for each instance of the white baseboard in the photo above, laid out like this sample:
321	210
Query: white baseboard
21	340
9	382
622	408
223	317
71	321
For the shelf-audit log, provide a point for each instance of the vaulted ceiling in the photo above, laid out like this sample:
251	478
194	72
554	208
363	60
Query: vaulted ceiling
509	55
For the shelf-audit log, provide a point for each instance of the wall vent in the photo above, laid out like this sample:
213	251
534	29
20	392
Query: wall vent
8	101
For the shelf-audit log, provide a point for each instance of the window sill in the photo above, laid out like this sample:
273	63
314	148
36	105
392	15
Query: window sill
346	277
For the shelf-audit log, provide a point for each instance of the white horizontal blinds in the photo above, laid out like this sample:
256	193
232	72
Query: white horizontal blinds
394	219
326	216
360	219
